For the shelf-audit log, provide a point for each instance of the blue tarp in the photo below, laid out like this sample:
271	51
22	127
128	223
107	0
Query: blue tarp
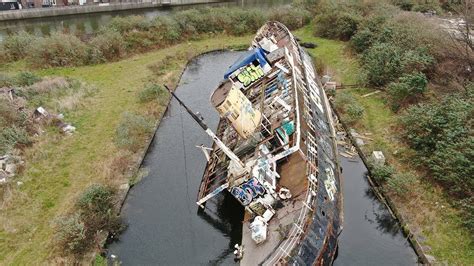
255	54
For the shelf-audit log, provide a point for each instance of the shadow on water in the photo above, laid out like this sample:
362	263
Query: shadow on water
371	236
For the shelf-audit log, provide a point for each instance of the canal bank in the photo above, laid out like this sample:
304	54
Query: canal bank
98	8
89	23
396	224
161	211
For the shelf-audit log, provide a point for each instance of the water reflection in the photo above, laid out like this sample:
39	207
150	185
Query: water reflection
383	218
227	220
89	23
370	235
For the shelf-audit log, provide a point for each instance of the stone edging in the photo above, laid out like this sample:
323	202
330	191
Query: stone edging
31	13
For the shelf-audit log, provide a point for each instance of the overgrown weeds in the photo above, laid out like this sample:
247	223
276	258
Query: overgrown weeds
132	131
126	35
153	92
26	92
77	233
349	107
58	49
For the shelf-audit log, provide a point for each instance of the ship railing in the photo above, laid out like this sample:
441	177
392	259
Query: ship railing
297	229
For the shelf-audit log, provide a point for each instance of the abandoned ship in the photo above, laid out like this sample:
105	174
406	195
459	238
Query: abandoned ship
275	151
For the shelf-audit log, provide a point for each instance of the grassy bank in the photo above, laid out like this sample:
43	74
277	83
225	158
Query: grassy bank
59	168
437	225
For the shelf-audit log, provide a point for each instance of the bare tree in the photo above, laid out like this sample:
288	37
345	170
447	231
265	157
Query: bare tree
462	36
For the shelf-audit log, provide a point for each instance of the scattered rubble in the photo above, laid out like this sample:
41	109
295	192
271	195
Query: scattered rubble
378	158
8	167
430	258
330	85
344	143
347	150
41	114
68	129
359	139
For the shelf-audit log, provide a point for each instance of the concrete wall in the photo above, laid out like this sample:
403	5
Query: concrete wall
92	8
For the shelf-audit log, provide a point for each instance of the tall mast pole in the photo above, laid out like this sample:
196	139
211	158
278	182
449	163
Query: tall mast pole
209	132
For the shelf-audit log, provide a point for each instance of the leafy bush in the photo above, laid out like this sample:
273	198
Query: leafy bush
97	199
349	107
16	46
13	136
406	5
381	173
26	79
452	165
441	134
96	206
59	49
355	112
370	32
337	24
76	233
428	125
129	23
408	86
246	21
132	131
196	21
292	17
71	234
401	183
6	80
167	29
153	92
138	33
382	62
107	46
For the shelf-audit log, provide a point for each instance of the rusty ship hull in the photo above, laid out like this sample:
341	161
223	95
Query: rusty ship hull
275	152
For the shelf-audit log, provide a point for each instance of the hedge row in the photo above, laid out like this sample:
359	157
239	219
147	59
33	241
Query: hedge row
137	33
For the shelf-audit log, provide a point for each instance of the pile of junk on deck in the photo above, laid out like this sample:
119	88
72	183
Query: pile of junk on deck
275	151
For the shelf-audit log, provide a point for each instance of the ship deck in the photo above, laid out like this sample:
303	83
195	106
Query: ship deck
292	177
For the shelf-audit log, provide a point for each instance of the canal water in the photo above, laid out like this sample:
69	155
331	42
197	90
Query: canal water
161	211
165	227
370	235
89	23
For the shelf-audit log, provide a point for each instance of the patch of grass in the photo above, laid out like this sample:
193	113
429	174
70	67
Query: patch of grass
153	92
100	261
59	168
426	210
132	131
